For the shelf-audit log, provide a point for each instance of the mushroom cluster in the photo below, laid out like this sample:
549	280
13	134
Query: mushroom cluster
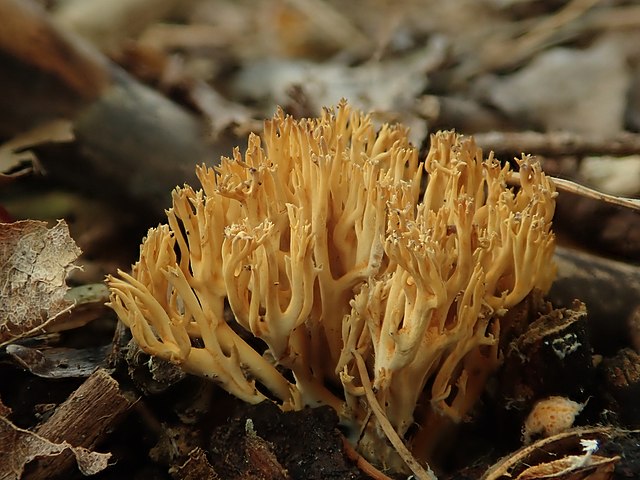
326	244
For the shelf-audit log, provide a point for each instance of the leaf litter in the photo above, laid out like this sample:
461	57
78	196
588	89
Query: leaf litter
35	263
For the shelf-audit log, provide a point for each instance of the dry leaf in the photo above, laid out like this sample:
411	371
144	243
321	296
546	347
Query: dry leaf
571	468
19	447
35	262
565	456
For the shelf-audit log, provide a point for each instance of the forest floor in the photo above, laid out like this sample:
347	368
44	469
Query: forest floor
106	106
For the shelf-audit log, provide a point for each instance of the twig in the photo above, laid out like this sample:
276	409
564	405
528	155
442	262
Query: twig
569	186
557	144
417	469
572	187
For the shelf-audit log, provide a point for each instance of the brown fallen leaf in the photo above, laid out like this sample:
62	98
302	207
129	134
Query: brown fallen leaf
19	447
572	468
35	262
568	455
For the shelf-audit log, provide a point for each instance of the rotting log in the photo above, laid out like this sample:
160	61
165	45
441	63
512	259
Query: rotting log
133	141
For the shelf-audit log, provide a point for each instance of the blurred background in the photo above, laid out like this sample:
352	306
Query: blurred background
112	103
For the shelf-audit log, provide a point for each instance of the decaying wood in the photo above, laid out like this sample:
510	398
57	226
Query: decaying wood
134	142
551	355
82	420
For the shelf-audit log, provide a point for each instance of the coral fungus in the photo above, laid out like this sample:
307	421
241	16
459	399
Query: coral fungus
326	245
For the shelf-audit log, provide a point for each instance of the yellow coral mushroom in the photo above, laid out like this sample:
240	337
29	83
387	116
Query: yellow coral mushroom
323	245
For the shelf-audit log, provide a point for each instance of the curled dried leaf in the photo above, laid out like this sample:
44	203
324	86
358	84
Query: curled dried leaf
569	455
18	447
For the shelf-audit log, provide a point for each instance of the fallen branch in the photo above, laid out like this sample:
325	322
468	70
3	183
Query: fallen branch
557	144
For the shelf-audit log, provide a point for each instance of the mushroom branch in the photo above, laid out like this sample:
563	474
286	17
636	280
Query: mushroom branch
325	245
